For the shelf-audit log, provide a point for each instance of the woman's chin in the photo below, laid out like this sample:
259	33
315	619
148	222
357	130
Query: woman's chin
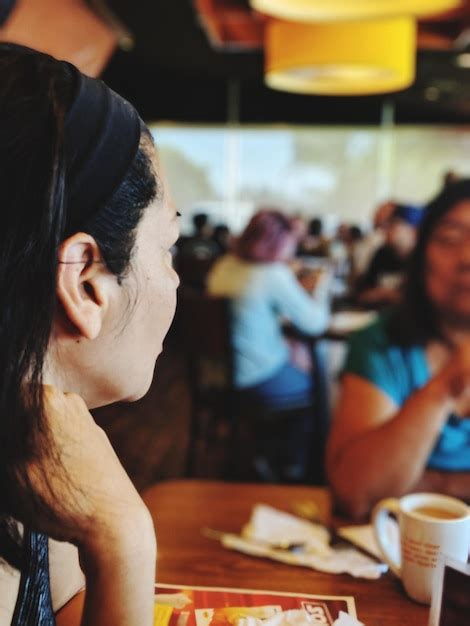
138	395
134	388
141	387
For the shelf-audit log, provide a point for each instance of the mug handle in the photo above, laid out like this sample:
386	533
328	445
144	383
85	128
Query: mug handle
380	516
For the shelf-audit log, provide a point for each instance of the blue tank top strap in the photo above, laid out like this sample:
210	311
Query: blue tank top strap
34	603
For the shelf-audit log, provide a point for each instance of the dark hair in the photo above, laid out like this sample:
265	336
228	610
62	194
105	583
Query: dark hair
200	220
415	320
35	94
265	237
315	227
221	229
355	232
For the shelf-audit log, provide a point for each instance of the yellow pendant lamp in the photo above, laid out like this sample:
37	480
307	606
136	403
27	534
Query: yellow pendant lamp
330	10
341	58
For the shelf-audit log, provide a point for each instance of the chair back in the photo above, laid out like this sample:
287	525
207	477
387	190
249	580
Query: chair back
193	271
204	329
204	323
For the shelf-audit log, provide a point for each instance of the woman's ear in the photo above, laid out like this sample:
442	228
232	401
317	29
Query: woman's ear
82	284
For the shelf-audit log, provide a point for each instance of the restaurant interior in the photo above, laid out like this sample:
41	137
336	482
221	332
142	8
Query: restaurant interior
314	150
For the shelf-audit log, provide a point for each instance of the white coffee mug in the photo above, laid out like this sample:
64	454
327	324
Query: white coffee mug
429	524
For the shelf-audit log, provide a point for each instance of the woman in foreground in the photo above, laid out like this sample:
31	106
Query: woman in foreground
403	419
87	294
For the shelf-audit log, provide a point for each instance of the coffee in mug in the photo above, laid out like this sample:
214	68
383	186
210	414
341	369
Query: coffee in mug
434	512
429	524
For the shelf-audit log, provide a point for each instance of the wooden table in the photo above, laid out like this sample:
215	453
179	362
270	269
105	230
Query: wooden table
181	508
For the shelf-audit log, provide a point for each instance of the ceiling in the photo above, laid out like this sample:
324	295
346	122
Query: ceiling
173	73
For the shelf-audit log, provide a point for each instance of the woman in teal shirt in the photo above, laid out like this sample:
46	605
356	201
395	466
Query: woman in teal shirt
402	421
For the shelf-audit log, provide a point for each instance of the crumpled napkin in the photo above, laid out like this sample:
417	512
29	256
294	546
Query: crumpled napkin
363	536
295	617
276	527
269	527
344	619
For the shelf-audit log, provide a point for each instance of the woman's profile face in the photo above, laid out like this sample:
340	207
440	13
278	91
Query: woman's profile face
152	283
447	264
140	311
107	333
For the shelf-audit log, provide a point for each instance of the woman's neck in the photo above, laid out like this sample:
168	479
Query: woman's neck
439	351
454	335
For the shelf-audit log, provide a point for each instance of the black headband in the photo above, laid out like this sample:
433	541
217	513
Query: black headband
102	135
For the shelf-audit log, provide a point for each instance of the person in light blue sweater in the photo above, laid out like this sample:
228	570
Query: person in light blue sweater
264	293
403	419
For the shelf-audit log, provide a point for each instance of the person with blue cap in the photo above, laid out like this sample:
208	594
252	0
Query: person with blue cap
380	285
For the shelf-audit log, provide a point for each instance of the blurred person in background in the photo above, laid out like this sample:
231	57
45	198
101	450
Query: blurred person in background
354	245
202	226
403	419
350	239
374	239
196	254
264	292
381	283
221	238
314	243
339	252
450	177
300	225
200	245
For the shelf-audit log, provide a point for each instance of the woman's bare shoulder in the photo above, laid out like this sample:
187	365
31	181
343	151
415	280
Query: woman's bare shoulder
9	586
66	577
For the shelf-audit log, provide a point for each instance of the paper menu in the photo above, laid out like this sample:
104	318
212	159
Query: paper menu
212	606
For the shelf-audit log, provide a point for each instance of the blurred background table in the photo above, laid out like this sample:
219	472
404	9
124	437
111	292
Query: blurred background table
181	508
